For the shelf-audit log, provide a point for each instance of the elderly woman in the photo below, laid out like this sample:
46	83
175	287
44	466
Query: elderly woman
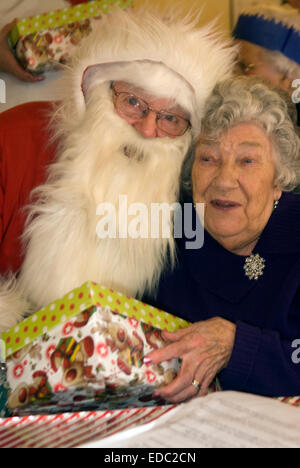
242	288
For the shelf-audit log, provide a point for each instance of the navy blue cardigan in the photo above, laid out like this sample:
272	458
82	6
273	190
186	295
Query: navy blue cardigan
211	282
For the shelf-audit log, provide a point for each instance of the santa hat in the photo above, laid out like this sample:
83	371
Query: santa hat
275	28
170	58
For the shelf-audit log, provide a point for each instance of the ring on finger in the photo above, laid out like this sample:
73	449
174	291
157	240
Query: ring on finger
196	384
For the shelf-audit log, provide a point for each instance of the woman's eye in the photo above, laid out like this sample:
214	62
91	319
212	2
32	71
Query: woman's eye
206	159
248	161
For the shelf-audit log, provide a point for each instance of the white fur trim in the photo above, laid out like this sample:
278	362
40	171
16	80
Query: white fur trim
199	55
285	14
146	74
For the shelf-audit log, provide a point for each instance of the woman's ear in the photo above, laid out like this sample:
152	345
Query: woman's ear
277	193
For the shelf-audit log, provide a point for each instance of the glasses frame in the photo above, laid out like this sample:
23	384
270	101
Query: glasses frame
148	109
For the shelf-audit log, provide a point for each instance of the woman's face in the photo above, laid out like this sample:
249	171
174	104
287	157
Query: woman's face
252	63
234	177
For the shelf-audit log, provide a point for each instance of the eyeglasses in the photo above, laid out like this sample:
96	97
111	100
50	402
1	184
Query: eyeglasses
136	108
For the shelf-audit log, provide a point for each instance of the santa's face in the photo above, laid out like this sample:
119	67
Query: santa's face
111	144
149	115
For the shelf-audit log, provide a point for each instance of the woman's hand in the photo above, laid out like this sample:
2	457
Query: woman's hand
205	349
8	62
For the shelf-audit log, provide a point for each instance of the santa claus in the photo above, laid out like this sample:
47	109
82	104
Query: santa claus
132	102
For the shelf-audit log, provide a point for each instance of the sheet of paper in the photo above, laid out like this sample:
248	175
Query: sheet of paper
222	419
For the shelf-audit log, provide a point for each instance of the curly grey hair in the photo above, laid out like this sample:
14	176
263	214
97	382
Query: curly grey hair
243	99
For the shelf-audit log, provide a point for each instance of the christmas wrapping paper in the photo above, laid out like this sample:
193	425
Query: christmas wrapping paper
70	430
48	40
292	401
37	427
86	351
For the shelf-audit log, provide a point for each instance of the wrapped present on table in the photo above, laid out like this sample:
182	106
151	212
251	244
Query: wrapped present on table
46	41
86	350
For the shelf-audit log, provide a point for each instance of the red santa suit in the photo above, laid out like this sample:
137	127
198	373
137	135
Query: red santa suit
25	152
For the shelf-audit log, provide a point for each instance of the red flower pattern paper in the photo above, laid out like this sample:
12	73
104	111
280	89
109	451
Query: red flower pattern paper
95	354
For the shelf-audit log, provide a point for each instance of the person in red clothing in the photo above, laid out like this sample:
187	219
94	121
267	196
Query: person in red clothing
129	113
25	153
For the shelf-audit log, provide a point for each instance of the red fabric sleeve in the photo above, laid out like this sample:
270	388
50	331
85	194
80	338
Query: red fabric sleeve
25	152
1	202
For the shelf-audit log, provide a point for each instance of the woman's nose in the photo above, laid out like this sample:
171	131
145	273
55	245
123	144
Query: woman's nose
147	126
227	177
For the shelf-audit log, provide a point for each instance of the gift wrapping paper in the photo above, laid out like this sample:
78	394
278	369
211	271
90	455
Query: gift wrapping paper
48	40
37	427
86	350
70	430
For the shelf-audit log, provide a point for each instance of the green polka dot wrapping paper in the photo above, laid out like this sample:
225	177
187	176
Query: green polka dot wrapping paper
53	19
74	303
87	347
48	40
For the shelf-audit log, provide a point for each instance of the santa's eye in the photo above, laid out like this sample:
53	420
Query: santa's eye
169	117
133	101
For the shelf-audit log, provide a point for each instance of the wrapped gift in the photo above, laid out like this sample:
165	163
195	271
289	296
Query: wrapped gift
86	350
48	40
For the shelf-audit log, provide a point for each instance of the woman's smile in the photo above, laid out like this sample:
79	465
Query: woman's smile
224	205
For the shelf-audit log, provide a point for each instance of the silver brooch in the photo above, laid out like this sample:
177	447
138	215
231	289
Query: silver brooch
254	266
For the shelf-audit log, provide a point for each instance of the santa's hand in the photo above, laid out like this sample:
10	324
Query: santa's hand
8	62
205	349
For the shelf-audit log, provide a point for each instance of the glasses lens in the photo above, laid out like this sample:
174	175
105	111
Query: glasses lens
135	108
172	124
131	105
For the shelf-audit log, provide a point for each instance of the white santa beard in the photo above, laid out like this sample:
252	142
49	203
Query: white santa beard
63	248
